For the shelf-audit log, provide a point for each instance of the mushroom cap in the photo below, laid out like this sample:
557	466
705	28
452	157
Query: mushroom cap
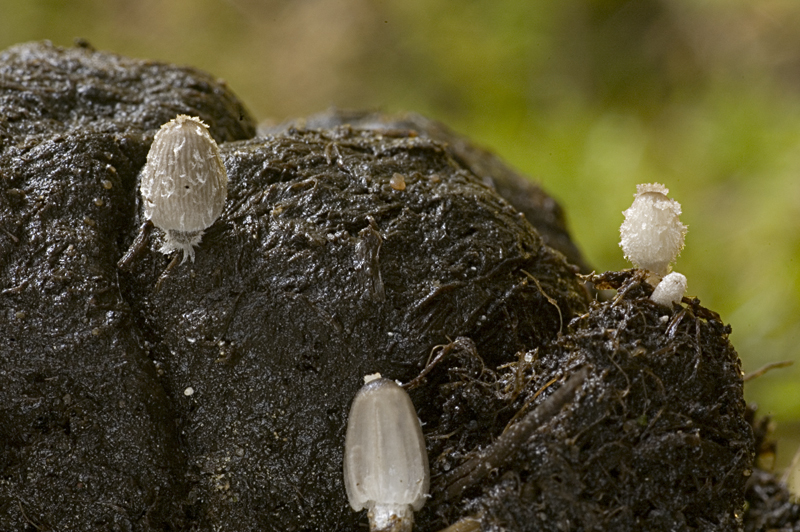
385	461
670	290
184	183
652	234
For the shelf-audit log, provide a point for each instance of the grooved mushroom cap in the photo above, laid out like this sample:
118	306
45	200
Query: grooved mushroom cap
184	184
385	461
652	235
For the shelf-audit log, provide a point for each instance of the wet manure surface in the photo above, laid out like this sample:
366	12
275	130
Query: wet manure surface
213	395
539	208
654	437
318	273
769	504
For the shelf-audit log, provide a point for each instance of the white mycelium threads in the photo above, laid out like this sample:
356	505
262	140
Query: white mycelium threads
184	183
385	461
652	235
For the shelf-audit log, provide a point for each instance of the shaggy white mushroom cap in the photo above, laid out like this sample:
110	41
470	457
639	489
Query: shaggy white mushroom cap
184	183
385	460
670	290
652	234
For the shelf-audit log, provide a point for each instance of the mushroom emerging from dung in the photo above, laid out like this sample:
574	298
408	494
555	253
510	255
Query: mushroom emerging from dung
652	234
670	290
385	461
184	184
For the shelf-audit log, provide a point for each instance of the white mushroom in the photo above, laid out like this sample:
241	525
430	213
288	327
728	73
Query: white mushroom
652	235
184	184
385	461
670	290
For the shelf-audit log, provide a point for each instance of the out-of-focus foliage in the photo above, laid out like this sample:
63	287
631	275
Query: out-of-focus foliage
589	97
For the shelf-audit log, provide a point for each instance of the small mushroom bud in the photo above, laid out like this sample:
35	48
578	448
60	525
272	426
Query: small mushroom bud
385	461
652	235
670	290
184	183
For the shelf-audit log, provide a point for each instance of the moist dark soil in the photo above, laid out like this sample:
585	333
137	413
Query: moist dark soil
539	208
655	439
145	395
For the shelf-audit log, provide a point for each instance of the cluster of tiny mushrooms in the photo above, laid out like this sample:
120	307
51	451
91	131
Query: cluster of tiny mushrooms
184	186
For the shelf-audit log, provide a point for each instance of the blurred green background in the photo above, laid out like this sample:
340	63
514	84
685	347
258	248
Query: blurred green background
588	97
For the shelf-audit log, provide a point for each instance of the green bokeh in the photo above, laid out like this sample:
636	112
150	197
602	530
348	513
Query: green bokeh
590	98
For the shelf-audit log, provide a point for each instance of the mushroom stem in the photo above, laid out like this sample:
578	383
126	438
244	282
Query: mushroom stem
390	518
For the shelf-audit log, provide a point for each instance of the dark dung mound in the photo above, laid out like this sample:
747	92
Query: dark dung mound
318	273
656	438
87	435
45	89
770	506
213	395
541	210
